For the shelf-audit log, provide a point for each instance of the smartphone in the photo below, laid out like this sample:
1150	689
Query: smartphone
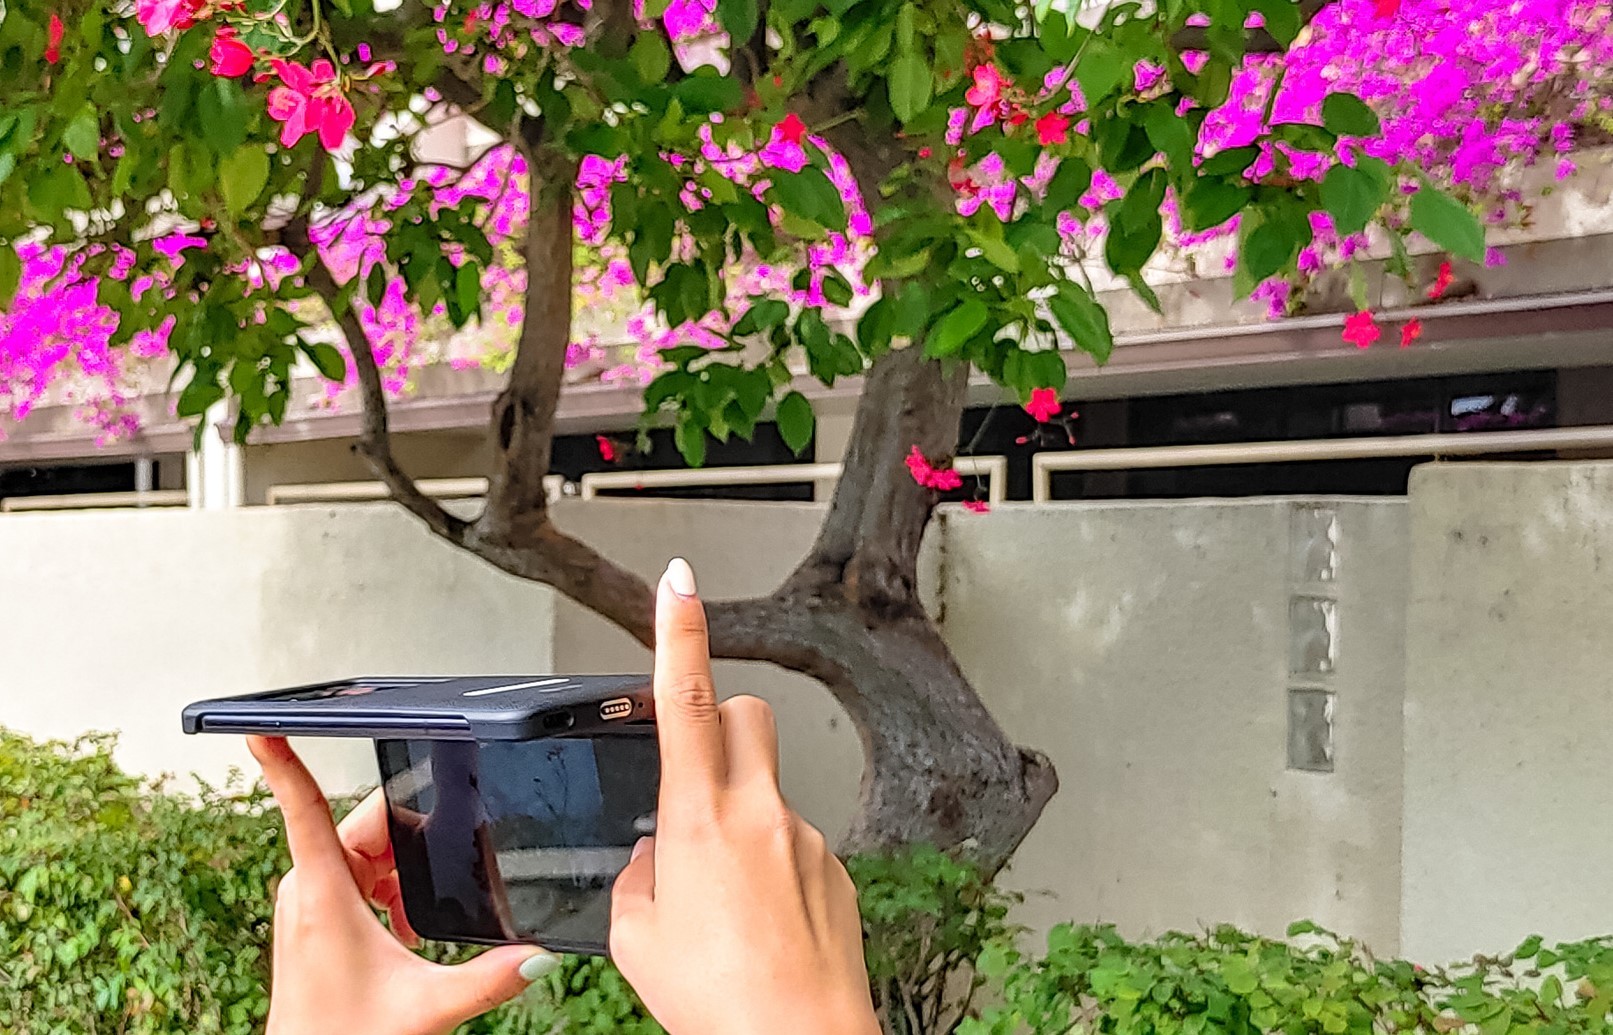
513	802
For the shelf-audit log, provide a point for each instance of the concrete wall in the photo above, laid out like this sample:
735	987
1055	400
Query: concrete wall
1153	649
438	455
115	621
1146	649
1509	708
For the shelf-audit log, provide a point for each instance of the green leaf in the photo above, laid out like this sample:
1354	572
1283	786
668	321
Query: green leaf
1084	320
691	440
1211	202
243	175
83	135
1230	162
327	359
911	84
762	316
1100	69
1072	180
8	165
810	195
10	274
1448	223
1171	135
996	251
704	92
1352	197
795	421
739	17
1348	116
960	324
468	288
651	57
1270	245
1302	136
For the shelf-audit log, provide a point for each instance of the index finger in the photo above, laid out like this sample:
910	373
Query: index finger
693	760
310	831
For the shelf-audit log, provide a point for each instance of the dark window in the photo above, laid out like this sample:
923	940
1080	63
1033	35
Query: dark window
66	479
577	455
1469	403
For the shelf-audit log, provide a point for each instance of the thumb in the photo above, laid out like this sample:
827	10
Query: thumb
490	980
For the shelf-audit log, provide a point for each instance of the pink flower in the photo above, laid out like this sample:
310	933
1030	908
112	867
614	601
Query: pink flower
942	479
162	16
977	506
53	45
1410	332
1442	281
607	449
311	101
1053	128
229	55
1044	405
1387	8
790	129
987	89
1361	329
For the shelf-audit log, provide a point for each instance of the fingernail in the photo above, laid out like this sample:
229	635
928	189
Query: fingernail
681	577
640	846
538	966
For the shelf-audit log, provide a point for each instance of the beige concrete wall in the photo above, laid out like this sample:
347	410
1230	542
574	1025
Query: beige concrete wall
423	455
1509	709
114	621
1145	648
737	549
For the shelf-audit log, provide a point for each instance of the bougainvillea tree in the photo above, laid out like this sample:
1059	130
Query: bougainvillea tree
902	190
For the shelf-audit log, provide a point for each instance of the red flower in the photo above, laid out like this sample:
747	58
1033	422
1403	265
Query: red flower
790	129
942	479
311	101
1044	405
607	449
987	89
1387	8
925	152
1410	332
1053	128
977	506
1442	281
229	55
53	46
1361	329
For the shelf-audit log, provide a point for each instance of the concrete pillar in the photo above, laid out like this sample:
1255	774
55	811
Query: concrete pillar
213	474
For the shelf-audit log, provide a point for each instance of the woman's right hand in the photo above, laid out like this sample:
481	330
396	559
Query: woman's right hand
735	919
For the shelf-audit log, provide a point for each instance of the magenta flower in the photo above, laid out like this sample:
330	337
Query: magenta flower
158	17
987	89
1044	405
1361	330
311	101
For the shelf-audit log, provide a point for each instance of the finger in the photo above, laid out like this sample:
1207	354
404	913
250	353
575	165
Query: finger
690	729
310	831
365	838
364	830
750	740
633	893
454	995
388	897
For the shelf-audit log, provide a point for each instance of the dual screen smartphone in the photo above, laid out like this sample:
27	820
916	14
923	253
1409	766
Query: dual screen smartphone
513	802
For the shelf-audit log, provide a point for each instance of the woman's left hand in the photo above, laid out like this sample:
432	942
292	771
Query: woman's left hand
337	969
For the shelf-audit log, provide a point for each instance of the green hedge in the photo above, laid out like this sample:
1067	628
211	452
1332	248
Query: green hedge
125	908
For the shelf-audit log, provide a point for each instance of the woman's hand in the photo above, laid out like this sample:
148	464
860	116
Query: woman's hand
735	919
337	969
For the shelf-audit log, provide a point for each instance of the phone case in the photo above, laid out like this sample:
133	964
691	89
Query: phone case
433	708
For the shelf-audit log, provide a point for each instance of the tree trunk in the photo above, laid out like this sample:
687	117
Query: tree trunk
938	768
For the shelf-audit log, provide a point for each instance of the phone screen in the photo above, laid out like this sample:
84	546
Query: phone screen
502	841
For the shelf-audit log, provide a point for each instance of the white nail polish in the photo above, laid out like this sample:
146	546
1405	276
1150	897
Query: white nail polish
681	577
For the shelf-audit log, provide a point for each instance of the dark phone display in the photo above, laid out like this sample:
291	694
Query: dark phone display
500	841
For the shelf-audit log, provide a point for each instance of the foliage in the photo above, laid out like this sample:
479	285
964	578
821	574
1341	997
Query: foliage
183	178
126	907
1227	982
927	917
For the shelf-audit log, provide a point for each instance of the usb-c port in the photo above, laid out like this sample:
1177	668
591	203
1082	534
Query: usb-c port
620	708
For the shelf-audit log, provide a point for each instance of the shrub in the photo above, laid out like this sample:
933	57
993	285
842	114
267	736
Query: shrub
1226	982
127	908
